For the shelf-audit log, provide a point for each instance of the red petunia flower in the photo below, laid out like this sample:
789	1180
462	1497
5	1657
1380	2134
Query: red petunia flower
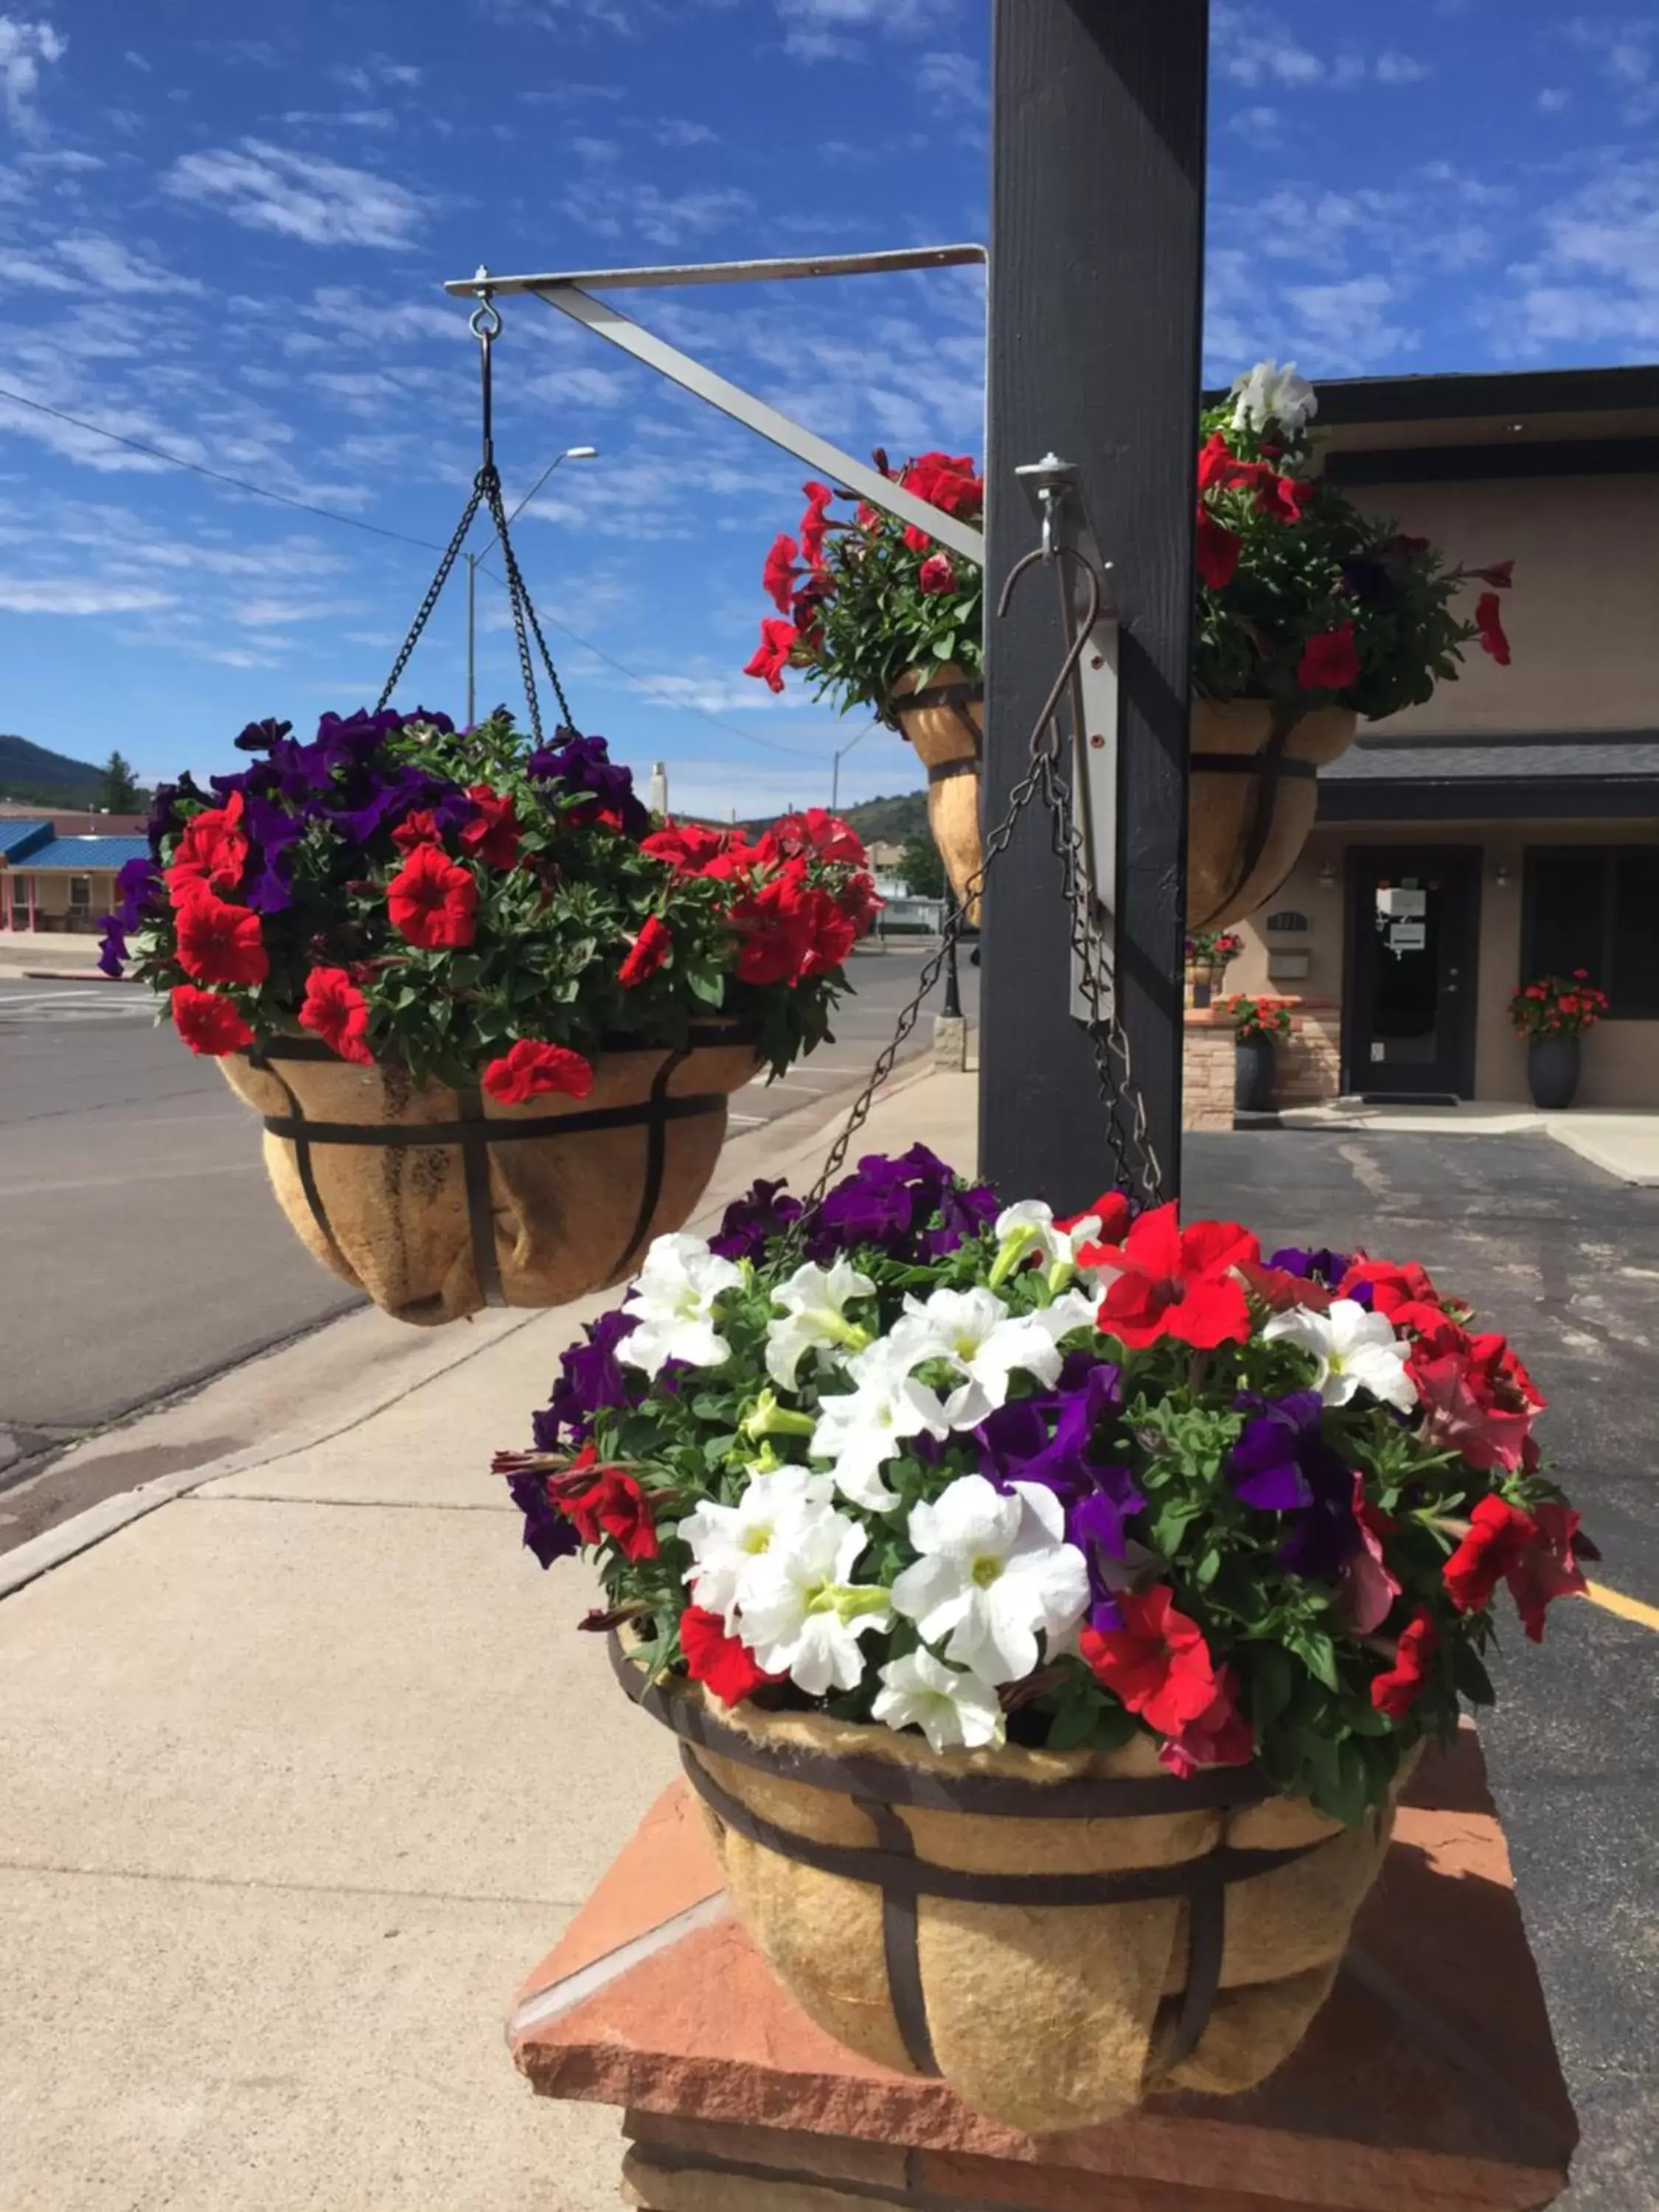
1398	1688
1329	662
432	901
417	829
1218	551
1459	1416
1391	1286
1157	1663
493	833
814	522
687	846
1174	1282
1110	1209
208	1022
947	482
1218	469
819	831
337	1011
1500	575
219	943
860	901
720	1663
1532	1553
936	574
1221	1736
829	934
771	657
1288	499
1490	625
212	853
647	952
781	576
529	1071
603	1501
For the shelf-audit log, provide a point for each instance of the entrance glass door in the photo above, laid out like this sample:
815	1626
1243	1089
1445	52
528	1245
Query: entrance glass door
1410	1013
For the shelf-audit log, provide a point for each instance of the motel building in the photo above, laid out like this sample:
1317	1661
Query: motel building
56	877
1509	828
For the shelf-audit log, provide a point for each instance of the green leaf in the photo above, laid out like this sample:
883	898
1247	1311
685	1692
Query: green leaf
1316	1652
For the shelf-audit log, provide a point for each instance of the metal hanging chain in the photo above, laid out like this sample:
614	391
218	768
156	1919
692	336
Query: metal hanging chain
485	324
1132	1154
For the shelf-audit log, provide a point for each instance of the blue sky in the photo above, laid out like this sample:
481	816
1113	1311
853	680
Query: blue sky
231	247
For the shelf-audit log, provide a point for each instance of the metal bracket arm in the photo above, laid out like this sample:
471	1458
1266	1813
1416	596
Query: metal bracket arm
1054	489
819	454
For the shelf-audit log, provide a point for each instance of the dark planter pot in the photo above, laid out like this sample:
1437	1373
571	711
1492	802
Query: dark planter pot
1552	1071
1253	1075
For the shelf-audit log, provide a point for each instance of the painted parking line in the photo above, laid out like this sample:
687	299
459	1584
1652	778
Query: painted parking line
1627	1608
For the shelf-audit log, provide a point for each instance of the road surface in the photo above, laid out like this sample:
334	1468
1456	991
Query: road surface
141	1249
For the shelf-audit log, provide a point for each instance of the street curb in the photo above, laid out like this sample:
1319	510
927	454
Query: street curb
54	1547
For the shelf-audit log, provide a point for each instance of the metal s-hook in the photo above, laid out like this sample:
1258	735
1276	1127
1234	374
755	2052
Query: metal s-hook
485	324
1045	737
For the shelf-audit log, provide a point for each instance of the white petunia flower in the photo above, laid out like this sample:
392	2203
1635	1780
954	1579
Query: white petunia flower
976	1334
1031	1227
994	1570
951	1709
672	1303
1356	1349
814	1300
802	1615
728	1542
861	1429
1269	393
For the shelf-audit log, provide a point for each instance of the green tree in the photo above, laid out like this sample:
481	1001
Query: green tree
121	792
920	869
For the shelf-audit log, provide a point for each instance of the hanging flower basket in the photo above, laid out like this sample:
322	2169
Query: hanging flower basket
1250	801
1208	953
943	715
490	1015
1049	1612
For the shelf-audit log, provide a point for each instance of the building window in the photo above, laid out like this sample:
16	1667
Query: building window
79	898
1597	907
20	901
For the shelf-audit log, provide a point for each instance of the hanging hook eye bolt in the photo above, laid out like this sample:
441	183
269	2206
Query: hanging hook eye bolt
485	322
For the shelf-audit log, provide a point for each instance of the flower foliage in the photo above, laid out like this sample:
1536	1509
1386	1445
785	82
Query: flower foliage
1212	948
914	1459
462	906
1258	1017
1553	1007
1303	598
863	599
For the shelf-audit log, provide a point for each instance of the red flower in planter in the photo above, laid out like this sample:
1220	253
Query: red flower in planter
771	657
1500	575
493	833
1491	627
417	829
722	1663
1458	1414
1398	1688
947	482
1110	1209
432	901
212	853
1157	1663
1391	1286
219	943
1221	1736
819	831
814	522
1174	1282
530	1071
860	901
1218	551
1220	470
1285	498
936	574
687	846
647	952
337	1011
1329	662
208	1022
603	1501
1531	1552
780	576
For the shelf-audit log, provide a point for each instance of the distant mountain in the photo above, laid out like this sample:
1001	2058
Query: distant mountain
35	777
880	821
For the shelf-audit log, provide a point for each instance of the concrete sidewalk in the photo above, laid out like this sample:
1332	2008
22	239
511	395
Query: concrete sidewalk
305	1766
1623	1143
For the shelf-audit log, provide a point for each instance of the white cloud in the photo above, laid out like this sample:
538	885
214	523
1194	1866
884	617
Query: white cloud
23	47
349	118
596	149
1553	99
681	130
137	61
74	595
266	187
1348	324
1595	282
1254	47
955	77
88	258
1392	68
370	76
1258	126
274	611
827	30
615	209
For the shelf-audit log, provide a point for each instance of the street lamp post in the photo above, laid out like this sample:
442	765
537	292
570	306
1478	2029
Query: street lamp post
837	759
472	560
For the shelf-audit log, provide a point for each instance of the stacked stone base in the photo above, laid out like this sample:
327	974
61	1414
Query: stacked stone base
1308	1066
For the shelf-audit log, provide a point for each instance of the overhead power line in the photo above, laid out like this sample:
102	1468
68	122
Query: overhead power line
402	538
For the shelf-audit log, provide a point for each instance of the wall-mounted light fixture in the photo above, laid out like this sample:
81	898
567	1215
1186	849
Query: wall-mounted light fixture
1500	876
1328	877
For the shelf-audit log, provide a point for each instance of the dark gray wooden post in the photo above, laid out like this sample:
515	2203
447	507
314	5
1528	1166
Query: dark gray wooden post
1096	254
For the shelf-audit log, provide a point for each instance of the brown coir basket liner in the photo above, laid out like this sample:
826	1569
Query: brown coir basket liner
1056	1936
437	1201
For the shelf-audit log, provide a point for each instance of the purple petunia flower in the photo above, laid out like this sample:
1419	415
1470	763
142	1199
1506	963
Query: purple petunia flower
261	737
113	948
1282	1464
750	1221
912	1207
1100	1498
591	1378
578	765
138	884
547	1533
1316	1265
272	831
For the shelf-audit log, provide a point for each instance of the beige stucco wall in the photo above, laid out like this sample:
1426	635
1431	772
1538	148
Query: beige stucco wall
1622	1059
1581	616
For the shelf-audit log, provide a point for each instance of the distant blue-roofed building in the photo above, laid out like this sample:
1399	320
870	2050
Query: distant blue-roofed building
49	882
